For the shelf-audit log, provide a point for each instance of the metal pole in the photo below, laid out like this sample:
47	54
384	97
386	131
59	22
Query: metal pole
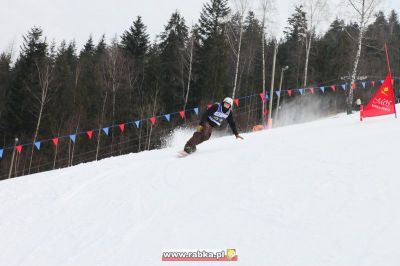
271	91
12	158
280	89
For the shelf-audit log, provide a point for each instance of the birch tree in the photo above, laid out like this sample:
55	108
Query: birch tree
241	7
45	77
315	11
364	11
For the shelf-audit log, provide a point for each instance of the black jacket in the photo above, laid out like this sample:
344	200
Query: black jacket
210	111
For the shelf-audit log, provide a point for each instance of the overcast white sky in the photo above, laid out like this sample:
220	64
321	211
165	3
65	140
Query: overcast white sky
77	19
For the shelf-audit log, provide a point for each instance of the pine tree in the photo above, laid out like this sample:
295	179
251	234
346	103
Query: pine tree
173	74
212	69
136	40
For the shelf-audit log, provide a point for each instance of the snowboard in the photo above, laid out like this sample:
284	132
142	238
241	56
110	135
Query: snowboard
182	154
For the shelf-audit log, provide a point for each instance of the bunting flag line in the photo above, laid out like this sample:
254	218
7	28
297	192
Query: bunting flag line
89	133
19	149
37	145
1	153
362	84
121	127
72	137
137	123
55	141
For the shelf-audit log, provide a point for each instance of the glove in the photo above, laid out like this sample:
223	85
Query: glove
238	136
199	128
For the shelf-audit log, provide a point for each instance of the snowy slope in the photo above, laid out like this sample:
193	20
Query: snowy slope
321	193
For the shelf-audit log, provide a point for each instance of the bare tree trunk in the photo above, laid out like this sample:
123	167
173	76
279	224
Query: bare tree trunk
308	47
364	10
189	75
154	111
100	126
45	79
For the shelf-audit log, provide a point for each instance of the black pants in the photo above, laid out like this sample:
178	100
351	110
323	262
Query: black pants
200	136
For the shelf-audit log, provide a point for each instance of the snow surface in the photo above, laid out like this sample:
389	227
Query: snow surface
320	193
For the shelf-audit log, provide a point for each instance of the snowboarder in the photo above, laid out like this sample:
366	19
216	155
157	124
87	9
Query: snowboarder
212	117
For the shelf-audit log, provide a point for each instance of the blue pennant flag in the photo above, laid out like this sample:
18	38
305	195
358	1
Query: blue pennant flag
266	96
72	137
137	123
382	81
363	84
37	145
278	93
105	130
322	89
168	117
1	153
343	86
196	110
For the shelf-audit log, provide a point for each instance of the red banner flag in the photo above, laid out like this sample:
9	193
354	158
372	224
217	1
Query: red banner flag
383	101
55	141
373	82
182	114
122	127
353	85
312	90
262	96
153	120
289	92
333	88
236	101
89	133
19	148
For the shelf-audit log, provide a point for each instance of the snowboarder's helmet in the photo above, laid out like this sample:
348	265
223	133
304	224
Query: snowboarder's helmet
228	100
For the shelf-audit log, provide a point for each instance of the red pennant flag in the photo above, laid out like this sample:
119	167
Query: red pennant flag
209	105
153	120
236	101
89	133
19	148
373	83
353	85
262	96
333	88
55	141
122	127
312	90
182	114
383	101
289	92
